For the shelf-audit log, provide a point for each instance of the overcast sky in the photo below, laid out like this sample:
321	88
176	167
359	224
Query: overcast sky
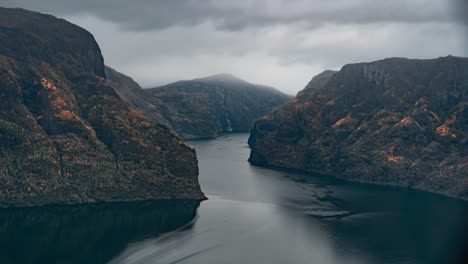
281	43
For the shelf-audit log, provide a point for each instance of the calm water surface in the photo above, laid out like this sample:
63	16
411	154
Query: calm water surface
253	215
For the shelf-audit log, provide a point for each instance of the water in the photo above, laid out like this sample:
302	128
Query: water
253	215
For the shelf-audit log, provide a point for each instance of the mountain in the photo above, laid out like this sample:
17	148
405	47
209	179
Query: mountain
396	122
200	108
66	136
207	107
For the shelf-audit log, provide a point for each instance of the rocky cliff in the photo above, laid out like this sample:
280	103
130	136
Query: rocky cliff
396	121
65	134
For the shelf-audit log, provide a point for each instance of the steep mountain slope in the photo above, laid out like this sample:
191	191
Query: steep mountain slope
200	108
65	135
396	121
137	98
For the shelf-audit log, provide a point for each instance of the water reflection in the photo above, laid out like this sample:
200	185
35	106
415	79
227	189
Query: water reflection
295	218
253	215
86	234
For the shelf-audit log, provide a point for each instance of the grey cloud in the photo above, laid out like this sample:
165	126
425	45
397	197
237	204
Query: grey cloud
461	10
281	43
280	56
367	43
236	15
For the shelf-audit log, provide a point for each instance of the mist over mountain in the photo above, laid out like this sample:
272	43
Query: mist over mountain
203	107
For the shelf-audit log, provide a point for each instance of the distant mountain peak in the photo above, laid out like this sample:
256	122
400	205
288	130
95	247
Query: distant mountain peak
222	77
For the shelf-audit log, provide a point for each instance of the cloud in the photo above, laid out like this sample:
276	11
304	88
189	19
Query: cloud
238	15
189	52
461	11
282	56
282	43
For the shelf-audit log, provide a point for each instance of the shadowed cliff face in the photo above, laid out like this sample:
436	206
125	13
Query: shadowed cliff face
200	108
396	121
87	233
65	135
